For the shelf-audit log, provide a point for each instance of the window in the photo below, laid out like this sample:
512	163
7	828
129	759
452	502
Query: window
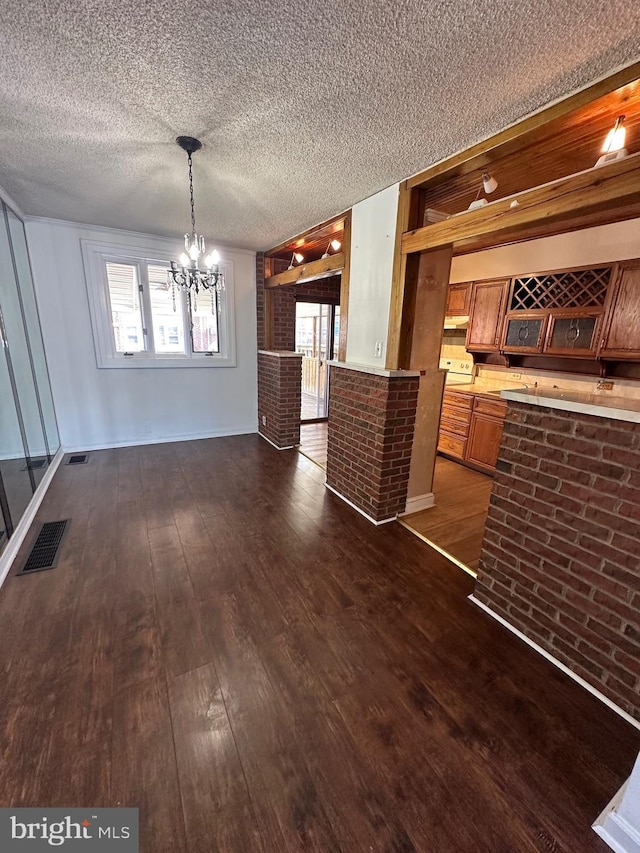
140	320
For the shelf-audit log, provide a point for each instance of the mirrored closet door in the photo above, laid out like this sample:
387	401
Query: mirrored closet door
28	430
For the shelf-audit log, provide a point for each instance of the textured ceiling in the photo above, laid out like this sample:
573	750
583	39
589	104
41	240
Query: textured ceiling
304	108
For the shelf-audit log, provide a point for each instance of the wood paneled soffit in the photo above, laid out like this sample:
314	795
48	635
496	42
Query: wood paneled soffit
579	120
610	187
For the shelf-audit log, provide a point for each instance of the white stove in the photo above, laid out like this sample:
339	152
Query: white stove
458	372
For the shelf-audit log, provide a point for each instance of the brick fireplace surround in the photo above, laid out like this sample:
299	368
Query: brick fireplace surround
561	553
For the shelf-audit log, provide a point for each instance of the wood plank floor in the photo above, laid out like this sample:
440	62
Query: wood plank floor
229	647
313	442
456	522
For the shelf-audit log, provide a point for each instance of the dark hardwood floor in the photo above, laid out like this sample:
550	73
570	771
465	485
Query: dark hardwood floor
229	647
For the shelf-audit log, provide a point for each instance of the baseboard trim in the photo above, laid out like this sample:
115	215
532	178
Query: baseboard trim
142	442
615	830
419	503
288	447
23	526
561	666
357	508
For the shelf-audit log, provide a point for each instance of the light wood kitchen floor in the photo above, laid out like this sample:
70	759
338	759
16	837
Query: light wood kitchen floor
456	523
313	442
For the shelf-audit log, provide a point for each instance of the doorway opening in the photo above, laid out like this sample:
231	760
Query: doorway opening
317	330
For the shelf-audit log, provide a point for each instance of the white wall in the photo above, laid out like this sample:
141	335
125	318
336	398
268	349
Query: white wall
604	243
373	233
102	407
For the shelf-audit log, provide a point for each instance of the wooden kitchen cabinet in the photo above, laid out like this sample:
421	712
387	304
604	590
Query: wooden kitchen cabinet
486	314
485	433
524	332
459	299
471	428
621	335
454	423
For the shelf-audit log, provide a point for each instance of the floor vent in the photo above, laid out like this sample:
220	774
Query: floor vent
33	464
44	554
78	459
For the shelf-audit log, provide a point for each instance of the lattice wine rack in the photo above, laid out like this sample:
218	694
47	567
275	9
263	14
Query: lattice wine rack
572	289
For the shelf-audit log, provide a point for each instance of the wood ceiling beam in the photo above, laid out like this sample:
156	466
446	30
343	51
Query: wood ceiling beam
593	189
321	268
517	135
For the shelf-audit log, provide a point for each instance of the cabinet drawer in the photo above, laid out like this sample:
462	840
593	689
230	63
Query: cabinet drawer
451	444
495	408
457	400
453	414
454	426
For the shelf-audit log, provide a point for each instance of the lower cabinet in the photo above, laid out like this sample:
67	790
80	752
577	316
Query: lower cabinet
471	428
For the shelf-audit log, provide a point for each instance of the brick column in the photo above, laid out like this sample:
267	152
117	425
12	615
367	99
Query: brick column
561	551
279	397
371	421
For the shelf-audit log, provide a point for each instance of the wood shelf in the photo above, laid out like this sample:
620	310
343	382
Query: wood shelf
590	191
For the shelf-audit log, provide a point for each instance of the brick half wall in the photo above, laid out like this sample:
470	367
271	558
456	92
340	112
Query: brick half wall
370	435
561	553
279	397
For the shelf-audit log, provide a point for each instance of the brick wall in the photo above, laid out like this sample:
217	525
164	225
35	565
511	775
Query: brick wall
370	430
260	299
279	398
561	553
284	307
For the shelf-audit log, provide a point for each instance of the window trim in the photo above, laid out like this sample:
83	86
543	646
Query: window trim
95	256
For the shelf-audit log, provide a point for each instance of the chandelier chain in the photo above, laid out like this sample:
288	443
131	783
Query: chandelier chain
193	209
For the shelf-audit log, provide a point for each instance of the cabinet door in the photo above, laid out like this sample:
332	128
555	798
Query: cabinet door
621	338
459	299
484	441
574	336
488	301
524	333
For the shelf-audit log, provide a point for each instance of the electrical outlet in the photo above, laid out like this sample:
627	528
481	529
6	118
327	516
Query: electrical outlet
515	376
378	350
264	420
604	385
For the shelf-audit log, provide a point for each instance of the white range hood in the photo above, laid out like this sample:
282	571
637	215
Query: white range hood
456	322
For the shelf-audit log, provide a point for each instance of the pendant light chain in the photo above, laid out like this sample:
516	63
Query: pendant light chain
193	207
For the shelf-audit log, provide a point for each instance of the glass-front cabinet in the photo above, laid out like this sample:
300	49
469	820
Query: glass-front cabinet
28	429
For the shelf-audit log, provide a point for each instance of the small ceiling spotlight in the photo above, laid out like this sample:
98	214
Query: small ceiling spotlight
489	185
296	258
333	244
613	148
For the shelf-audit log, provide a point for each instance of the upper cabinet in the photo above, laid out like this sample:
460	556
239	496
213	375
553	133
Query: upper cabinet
488	301
621	335
459	299
557	313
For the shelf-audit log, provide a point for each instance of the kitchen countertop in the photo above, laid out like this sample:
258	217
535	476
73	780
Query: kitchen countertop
616	408
487	389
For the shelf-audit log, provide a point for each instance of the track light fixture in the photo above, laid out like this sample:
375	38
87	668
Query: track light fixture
613	148
489	185
333	244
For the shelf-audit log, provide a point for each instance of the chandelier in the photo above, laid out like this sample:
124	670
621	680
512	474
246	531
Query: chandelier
186	273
